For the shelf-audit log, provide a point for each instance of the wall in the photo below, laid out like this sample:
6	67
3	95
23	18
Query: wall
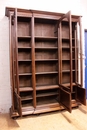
77	7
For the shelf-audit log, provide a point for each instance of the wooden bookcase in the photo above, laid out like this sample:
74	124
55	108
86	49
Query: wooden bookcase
45	55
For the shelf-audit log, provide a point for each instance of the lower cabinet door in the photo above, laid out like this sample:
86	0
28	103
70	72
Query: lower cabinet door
65	99
81	95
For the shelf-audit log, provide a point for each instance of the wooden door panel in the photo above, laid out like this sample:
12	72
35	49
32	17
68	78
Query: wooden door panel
17	101
81	95
65	99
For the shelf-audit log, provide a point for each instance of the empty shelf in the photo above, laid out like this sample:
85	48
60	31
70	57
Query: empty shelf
67	38
48	102
54	72
24	47
23	60
45	38
25	74
22	89
24	37
26	98
68	84
67	70
47	94
47	87
47	48
46	59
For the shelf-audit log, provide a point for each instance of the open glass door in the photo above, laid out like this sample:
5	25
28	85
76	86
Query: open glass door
65	60
80	91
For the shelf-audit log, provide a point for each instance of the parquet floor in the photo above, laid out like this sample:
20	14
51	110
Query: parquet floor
61	120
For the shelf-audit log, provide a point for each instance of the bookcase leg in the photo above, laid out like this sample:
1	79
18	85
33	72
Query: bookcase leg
13	113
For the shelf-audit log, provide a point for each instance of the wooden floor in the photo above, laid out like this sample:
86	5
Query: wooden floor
63	120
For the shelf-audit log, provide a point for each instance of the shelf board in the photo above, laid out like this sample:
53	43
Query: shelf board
47	108
26	98
26	110
67	39
27	106
46	59
53	72
24	89
47	94
27	16
23	60
65	47
67	70
47	48
45	38
67	59
47	87
24	37
68	84
46	102
24	47
25	74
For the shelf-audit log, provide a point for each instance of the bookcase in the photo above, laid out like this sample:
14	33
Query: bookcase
45	55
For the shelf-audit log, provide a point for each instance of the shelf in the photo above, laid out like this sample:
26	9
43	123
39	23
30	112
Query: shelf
68	84
67	70
67	39
26	98
26	110
24	74
46	59
27	106
46	102
24	37
23	60
24	17
47	48
47	108
45	38
65	47
24	47
54	72
24	89
47	94
47	87
67	59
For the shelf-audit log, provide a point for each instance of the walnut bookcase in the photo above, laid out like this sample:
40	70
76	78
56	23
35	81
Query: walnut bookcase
45	55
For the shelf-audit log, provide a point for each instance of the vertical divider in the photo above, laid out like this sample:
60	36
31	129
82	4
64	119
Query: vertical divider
33	61
60	53
16	51
70	37
75	56
77	50
76	53
81	60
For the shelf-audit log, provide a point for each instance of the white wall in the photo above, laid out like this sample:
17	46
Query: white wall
77	7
